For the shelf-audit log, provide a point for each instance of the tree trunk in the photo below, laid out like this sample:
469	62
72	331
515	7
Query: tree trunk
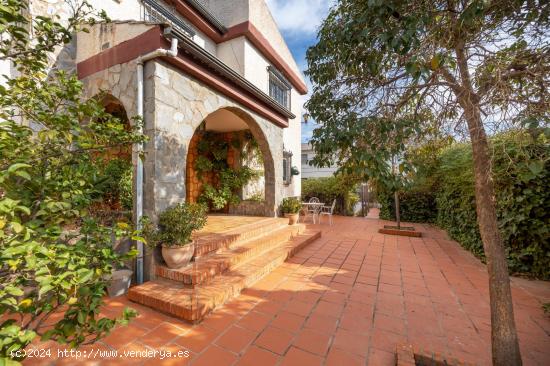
505	346
397	209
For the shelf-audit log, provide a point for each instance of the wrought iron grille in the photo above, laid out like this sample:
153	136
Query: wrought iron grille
155	11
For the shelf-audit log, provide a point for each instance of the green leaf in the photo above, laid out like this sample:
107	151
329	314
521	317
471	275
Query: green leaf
17	227
536	167
14	167
44	289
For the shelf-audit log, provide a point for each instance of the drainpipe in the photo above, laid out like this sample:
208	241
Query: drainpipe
172	52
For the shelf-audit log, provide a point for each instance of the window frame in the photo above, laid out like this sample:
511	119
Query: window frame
276	81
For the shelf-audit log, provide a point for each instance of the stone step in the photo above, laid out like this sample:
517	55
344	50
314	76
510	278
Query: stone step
211	243
193	304
207	267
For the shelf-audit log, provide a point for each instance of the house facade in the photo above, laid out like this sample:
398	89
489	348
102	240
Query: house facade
231	72
192	70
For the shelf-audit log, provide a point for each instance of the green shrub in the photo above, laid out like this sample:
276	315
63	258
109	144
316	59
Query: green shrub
415	206
224	189
340	188
521	174
175	225
116	184
291	205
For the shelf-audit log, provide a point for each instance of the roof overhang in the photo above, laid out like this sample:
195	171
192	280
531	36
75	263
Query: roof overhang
201	18
196	62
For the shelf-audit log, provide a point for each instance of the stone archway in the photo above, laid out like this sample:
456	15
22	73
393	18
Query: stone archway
233	124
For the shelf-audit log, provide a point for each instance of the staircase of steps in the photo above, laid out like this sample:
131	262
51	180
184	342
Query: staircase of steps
213	242
235	259
203	269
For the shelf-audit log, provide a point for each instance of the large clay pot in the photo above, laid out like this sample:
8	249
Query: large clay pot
292	218
177	257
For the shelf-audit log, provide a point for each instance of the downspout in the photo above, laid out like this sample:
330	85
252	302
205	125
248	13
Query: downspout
172	52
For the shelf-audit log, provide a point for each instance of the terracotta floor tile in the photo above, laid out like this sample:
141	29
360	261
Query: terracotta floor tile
312	341
299	308
385	340
322	323
356	323
274	340
381	358
347	299
352	342
255	356
389	323
220	320
328	308
121	336
235	339
269	307
215	355
255	321
297	357
197	338
288	321
162	335
339	357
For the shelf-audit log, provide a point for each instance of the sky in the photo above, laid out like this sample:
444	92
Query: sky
298	21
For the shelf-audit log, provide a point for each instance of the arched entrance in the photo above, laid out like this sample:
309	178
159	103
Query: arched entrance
229	165
115	164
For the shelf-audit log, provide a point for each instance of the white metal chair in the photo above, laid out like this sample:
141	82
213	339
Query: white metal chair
313	209
328	211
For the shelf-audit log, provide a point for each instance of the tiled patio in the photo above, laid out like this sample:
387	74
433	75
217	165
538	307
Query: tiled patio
346	299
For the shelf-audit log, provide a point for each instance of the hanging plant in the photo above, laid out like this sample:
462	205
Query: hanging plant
203	165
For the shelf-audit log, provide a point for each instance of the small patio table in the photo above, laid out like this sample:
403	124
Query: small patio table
316	206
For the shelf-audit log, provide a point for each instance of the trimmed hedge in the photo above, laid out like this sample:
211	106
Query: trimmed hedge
339	188
521	174
416	206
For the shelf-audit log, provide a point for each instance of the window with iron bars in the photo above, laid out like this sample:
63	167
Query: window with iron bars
279	88
157	11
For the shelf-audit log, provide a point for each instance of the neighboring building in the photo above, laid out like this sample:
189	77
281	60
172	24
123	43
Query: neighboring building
309	171
233	73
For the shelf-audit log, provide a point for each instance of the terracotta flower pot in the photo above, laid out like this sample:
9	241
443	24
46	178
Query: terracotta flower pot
178	256
292	218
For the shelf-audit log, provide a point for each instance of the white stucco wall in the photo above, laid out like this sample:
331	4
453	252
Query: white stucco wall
119	9
255	70
232	54
106	35
292	141
260	16
255	67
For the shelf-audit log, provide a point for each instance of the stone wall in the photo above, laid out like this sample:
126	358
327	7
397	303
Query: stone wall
175	106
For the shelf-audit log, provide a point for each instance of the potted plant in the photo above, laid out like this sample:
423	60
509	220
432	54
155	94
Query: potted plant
173	232
291	207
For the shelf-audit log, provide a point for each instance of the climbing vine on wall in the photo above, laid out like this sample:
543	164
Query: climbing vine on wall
225	179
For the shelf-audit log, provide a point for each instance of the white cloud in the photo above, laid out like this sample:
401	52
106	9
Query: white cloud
299	16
